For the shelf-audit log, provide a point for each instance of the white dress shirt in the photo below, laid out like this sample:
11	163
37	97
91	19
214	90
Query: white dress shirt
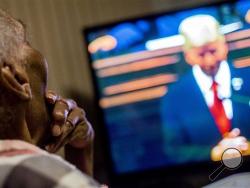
223	79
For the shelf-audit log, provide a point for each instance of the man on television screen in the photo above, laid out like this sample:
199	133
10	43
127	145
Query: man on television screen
207	110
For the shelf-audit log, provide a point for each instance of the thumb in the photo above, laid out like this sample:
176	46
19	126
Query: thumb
51	97
234	133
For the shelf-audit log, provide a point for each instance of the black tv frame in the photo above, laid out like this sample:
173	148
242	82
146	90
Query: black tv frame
188	175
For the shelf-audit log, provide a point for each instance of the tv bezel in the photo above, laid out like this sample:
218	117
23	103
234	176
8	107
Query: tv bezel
167	175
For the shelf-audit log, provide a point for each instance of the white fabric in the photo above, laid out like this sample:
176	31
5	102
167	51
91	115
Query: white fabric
223	79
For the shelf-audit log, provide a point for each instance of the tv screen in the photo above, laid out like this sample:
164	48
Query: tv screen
156	104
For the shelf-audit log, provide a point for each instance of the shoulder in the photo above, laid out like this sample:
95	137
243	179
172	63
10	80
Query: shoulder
46	171
179	89
185	81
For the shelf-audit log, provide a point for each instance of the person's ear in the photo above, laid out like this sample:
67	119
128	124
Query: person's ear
15	80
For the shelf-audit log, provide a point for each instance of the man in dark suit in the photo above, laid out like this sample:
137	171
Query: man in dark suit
207	110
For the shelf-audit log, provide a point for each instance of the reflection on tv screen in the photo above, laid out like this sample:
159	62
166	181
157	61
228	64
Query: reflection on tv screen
174	88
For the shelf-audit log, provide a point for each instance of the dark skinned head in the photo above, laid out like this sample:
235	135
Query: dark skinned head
23	79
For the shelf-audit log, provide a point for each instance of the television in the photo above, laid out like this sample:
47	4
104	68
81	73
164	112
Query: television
137	64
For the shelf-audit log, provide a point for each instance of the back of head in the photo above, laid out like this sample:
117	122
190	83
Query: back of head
23	78
12	34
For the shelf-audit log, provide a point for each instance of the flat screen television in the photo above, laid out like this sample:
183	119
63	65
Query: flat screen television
147	108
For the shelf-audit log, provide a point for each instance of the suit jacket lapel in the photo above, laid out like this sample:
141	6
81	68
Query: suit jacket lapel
202	122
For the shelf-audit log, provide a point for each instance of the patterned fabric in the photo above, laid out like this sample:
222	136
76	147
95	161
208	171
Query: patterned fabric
32	167
241	180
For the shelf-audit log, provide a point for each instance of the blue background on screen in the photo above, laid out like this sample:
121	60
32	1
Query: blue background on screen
135	128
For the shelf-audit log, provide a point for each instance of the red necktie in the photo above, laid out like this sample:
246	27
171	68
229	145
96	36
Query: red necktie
218	112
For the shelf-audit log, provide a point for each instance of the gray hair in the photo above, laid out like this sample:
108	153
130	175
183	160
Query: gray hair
12	34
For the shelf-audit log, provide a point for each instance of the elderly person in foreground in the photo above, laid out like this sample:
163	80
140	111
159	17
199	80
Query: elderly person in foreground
28	111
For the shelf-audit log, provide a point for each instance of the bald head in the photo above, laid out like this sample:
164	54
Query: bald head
23	80
12	34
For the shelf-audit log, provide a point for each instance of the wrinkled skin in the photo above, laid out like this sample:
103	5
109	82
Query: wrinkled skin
208	57
31	113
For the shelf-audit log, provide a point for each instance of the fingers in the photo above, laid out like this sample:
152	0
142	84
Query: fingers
62	108
82	135
244	147
239	143
69	123
60	114
234	133
75	117
233	141
51	97
60	140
